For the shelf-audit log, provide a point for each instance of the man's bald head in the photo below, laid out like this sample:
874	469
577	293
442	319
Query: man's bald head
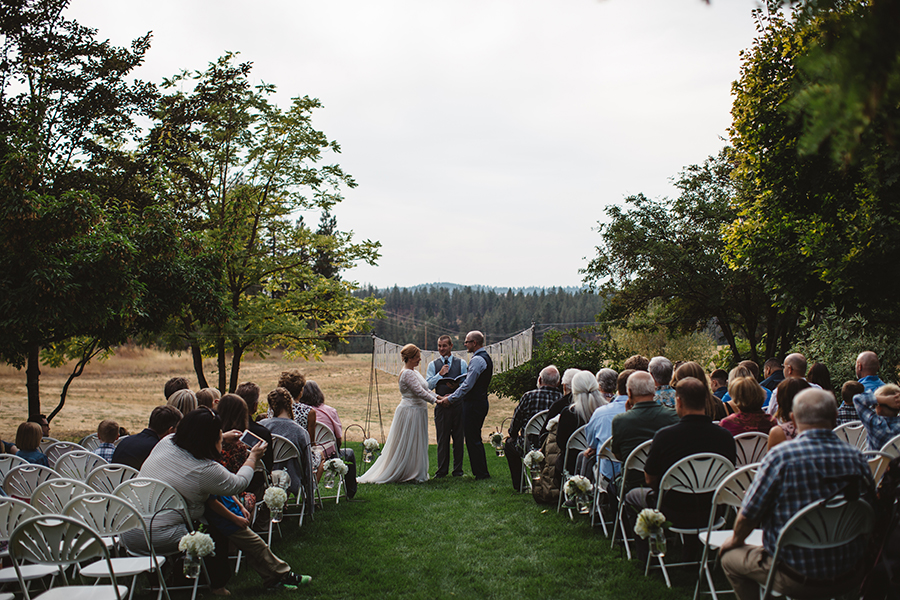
867	364
795	366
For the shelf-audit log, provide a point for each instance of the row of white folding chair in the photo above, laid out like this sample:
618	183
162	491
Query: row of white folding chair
326	441
21	481
59	448
854	433
577	441
532	429
604	453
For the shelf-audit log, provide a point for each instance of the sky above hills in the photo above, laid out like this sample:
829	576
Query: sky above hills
486	136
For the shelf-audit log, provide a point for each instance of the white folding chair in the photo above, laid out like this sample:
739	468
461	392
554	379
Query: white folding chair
78	464
326	440
52	496
10	461
46	443
106	478
110	515
13	512
878	462
826	523
892	447
21	481
605	453
750	448
532	429
730	493
577	441
90	442
61	541
696	474
152	497
854	433
284	451
634	462
58	449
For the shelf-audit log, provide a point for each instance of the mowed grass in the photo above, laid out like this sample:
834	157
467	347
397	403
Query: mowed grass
455	538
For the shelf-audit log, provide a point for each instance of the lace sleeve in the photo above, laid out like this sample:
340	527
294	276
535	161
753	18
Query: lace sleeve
416	386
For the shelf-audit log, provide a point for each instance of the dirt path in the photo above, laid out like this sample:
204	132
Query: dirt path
127	387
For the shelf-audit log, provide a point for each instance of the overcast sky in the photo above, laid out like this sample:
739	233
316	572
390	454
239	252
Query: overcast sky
486	136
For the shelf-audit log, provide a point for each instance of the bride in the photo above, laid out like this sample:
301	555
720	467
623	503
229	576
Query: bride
405	454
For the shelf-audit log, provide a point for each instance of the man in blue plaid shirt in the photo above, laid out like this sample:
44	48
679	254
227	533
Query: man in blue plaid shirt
530	404
794	474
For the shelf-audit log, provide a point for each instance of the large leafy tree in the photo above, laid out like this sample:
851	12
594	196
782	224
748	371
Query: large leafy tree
81	244
239	170
814	231
668	254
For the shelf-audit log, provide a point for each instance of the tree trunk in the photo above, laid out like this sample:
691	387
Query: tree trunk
221	358
725	326
32	379
238	352
198	365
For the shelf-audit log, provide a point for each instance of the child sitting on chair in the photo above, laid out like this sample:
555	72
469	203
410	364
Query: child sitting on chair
28	440
107	433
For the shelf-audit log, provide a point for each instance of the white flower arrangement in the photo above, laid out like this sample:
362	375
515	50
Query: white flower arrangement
649	521
496	439
336	466
534	458
281	479
196	543
275	497
371	444
577	485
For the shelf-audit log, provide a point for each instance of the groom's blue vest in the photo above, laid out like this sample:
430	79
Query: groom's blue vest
479	391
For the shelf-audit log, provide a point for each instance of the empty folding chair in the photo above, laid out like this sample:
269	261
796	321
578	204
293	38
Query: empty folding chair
21	481
78	464
52	496
854	433
106	478
634	462
58	449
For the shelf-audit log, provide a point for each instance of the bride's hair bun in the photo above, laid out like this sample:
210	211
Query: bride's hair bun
408	352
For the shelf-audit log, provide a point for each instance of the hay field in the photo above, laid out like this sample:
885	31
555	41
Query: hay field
127	386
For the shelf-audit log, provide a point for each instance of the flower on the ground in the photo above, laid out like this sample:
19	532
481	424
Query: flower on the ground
281	479
336	466
275	497
371	444
196	543
577	485
649	521
534	458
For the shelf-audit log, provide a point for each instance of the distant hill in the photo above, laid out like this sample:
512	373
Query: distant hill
445	285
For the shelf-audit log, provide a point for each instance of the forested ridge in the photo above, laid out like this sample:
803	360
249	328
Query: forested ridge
413	314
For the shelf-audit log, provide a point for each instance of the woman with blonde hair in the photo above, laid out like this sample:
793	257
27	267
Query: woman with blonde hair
405	453
748	397
183	400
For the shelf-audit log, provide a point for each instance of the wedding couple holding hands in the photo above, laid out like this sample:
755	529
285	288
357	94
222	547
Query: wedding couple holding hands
459	414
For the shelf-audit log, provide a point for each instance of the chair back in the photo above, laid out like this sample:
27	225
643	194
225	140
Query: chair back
750	448
106	514
326	439
58	449
826	523
90	442
106	478
52	496
854	433
732	489
10	461
878	463
533	428
57	540
892	447
577	441
13	512
78	464
637	459
46	443
283	449
695	474
606	453
151	496
21	481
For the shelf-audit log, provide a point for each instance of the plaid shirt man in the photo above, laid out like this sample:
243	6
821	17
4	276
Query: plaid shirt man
879	429
815	465
531	404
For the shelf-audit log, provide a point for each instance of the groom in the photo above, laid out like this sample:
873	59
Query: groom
473	393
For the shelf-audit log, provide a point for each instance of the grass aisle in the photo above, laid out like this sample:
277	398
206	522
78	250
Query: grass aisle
455	538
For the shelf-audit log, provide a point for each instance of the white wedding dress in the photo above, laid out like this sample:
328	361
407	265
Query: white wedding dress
405	454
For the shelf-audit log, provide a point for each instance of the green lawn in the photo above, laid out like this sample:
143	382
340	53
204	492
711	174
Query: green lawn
456	538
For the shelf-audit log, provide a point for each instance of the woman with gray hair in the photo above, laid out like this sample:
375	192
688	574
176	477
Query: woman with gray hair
606	381
183	400
559	405
586	398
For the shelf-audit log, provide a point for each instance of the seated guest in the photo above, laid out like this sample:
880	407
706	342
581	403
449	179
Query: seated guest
188	461
586	398
175	384
606	381
739	372
719	382
209	397
660	369
8	447
184	400
249	391
818	374
772	373
530	404
878	412
786	430
599	430
43	423
134	449
313	396
283	424
746	368
28	439
748	398
107	433
233	414
305	415
847	411
816	465
715	410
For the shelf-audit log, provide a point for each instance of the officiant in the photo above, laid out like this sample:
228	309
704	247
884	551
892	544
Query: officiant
444	375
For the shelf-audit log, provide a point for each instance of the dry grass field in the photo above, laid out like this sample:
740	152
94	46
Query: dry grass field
127	386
